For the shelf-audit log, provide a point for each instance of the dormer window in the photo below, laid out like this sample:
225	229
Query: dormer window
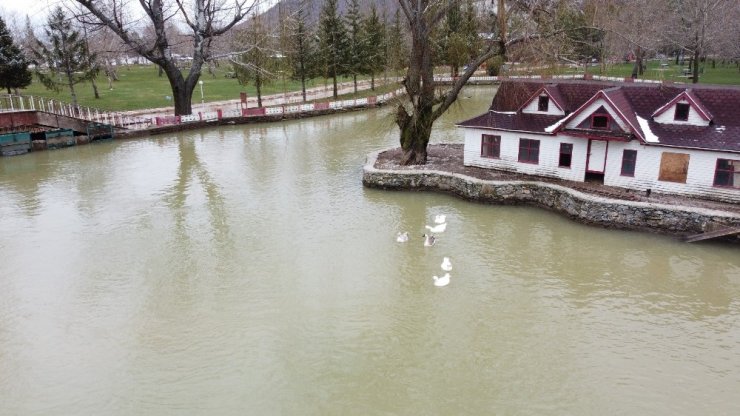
543	104
600	122
682	112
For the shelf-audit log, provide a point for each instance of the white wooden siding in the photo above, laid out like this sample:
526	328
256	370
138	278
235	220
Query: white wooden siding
552	108
695	119
509	159
699	179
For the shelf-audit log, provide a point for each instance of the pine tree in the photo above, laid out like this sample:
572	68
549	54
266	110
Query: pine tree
14	71
375	45
256	64
302	50
333	45
356	52
396	58
66	55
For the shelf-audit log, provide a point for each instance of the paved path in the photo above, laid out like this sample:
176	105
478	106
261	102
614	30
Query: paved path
314	93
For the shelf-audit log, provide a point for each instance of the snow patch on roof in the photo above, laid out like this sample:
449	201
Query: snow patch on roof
550	129
650	137
503	112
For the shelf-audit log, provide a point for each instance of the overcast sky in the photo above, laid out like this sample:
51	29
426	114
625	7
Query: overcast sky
37	10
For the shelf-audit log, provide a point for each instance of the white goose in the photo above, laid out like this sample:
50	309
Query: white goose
440	219
441	281
446	264
429	240
402	237
439	228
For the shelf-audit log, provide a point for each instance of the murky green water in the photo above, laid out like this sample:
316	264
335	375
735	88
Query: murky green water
245	270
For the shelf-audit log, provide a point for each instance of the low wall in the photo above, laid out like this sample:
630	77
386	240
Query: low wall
580	206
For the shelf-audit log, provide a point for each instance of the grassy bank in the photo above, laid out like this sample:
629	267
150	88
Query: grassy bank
140	87
726	74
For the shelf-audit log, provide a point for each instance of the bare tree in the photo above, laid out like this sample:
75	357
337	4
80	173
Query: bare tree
205	20
416	118
700	27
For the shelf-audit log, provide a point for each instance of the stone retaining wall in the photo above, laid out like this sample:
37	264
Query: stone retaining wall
580	206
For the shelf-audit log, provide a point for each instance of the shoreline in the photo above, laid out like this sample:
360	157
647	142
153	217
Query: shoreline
669	217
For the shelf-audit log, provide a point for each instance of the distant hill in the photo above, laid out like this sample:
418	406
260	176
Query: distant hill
288	7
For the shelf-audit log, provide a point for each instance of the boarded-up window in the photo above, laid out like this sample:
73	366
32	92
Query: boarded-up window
674	167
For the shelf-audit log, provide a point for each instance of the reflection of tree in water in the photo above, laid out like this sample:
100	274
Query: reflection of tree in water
190	169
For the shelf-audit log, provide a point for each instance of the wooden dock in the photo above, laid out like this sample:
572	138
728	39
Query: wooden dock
724	232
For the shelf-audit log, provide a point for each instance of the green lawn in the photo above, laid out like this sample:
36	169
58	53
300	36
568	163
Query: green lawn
139	87
665	70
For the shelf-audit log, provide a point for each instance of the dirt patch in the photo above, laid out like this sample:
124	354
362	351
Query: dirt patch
449	158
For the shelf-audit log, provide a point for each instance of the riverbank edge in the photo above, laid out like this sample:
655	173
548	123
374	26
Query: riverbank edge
673	220
230	121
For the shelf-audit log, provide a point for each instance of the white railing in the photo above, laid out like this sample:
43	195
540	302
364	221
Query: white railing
12	102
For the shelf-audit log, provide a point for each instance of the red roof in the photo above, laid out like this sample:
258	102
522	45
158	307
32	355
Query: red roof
693	101
631	100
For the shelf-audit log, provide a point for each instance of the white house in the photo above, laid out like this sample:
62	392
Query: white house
665	138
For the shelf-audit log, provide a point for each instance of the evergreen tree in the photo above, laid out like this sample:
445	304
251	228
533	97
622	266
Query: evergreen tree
356	48
256	64
458	37
333	42
375	45
14	71
302	49
65	56
396	58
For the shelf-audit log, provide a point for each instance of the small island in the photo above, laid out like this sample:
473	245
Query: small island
586	202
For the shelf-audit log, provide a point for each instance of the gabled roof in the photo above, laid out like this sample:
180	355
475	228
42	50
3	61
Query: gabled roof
693	101
615	98
636	104
552	92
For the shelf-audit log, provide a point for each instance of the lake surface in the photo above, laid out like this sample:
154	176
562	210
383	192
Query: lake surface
245	270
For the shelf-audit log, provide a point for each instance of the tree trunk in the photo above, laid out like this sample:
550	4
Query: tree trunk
354	80
258	85
334	83
695	69
303	80
502	26
415	133
182	92
372	81
72	89
95	89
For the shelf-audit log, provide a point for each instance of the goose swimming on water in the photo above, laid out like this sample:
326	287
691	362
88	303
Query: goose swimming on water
429	240
439	228
446	264
402	237
440	219
442	281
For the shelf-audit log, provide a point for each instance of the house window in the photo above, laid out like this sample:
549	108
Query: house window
544	103
674	167
629	160
727	173
600	121
529	151
682	112
490	146
566	155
